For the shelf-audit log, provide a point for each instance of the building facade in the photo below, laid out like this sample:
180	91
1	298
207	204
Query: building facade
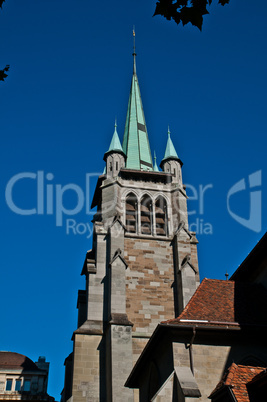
191	358
22	379
142	267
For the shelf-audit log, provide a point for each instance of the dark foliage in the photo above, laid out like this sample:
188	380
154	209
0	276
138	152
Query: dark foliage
185	11
3	74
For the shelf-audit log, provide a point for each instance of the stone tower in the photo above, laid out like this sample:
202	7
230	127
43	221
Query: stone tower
142	268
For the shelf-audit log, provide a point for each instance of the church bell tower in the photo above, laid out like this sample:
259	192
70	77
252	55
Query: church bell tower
142	268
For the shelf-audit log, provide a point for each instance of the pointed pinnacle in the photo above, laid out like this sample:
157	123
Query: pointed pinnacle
134	53
155	167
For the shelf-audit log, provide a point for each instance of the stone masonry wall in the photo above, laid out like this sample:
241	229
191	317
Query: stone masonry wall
149	279
86	381
194	257
208	362
209	366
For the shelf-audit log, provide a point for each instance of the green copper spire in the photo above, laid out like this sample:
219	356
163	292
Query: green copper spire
135	141
170	152
156	169
115	144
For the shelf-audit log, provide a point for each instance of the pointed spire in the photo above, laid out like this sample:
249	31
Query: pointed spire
115	144
156	169
135	140
170	152
134	53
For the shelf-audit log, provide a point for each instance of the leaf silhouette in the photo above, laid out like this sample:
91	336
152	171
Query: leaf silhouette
185	11
3	74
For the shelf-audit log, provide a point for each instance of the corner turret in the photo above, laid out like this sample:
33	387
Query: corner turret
171	163
114	157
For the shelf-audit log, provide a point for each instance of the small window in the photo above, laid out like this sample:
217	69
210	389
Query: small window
146	215
27	385
161	217
110	166
8	384
131	213
117	166
18	385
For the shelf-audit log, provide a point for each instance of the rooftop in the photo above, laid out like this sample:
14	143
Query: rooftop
221	302
237	377
12	360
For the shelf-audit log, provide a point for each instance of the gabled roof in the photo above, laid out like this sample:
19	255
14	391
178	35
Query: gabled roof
221	302
237	377
135	141
118	254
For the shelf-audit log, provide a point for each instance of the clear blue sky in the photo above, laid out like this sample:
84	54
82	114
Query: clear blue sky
70	74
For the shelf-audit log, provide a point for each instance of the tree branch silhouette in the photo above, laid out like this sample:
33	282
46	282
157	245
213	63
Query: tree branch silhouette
185	11
3	74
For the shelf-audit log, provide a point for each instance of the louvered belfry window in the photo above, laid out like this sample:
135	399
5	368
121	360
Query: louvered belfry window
161	216
131	213
146	215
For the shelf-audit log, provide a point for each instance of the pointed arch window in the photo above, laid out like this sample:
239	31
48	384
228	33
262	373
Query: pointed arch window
161	216
131	213
146	215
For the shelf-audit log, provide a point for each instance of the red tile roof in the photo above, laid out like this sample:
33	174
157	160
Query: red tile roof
221	302
237	377
15	360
